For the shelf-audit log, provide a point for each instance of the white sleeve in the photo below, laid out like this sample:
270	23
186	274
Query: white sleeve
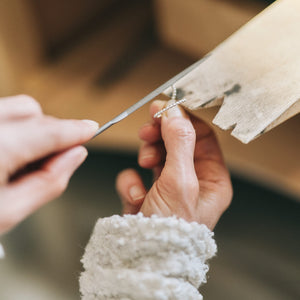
138	258
2	253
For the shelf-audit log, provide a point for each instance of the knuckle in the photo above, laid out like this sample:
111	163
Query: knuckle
55	131
31	102
181	129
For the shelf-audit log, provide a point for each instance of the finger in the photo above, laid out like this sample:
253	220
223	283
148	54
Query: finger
214	179
40	137
131	191
155	107
215	190
21	106
208	157
215	198
157	170
207	146
209	162
151	155
179	138
150	132
28	193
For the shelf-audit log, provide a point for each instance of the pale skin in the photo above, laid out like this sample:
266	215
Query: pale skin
39	154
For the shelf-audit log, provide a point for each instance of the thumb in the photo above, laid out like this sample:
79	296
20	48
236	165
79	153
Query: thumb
179	137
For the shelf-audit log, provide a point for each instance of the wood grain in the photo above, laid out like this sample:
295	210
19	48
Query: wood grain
254	74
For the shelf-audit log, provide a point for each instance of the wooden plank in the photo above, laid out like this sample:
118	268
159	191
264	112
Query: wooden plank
271	160
255	74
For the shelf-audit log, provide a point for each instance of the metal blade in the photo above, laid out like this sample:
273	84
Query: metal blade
149	97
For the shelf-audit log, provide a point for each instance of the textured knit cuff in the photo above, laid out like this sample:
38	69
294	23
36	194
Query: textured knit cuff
136	257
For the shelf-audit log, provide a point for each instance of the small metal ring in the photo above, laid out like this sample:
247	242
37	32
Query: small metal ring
159	113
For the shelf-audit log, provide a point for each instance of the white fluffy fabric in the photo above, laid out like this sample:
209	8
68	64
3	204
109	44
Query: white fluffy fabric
138	258
2	253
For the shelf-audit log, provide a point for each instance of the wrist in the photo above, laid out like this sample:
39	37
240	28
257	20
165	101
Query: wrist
141	252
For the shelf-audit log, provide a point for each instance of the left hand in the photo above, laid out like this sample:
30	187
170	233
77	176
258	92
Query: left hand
191	179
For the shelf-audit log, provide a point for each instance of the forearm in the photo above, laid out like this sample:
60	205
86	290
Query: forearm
136	257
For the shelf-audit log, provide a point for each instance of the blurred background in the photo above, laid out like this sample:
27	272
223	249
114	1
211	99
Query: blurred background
91	59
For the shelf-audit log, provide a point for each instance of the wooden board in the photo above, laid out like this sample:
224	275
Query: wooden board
254	74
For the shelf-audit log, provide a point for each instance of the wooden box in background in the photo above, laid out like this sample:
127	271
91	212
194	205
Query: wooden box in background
198	26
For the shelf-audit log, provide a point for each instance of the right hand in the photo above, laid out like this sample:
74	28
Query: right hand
38	155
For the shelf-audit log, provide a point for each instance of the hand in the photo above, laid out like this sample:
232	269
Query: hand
38	155
191	179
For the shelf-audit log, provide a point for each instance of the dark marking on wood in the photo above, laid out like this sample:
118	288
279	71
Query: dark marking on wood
234	90
180	93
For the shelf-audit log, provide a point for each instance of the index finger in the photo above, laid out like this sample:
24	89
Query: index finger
21	106
33	139
151	132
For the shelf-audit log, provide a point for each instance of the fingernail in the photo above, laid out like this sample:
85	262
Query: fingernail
136	193
94	124
175	111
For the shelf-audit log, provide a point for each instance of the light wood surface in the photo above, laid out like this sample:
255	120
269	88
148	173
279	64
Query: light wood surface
254	74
